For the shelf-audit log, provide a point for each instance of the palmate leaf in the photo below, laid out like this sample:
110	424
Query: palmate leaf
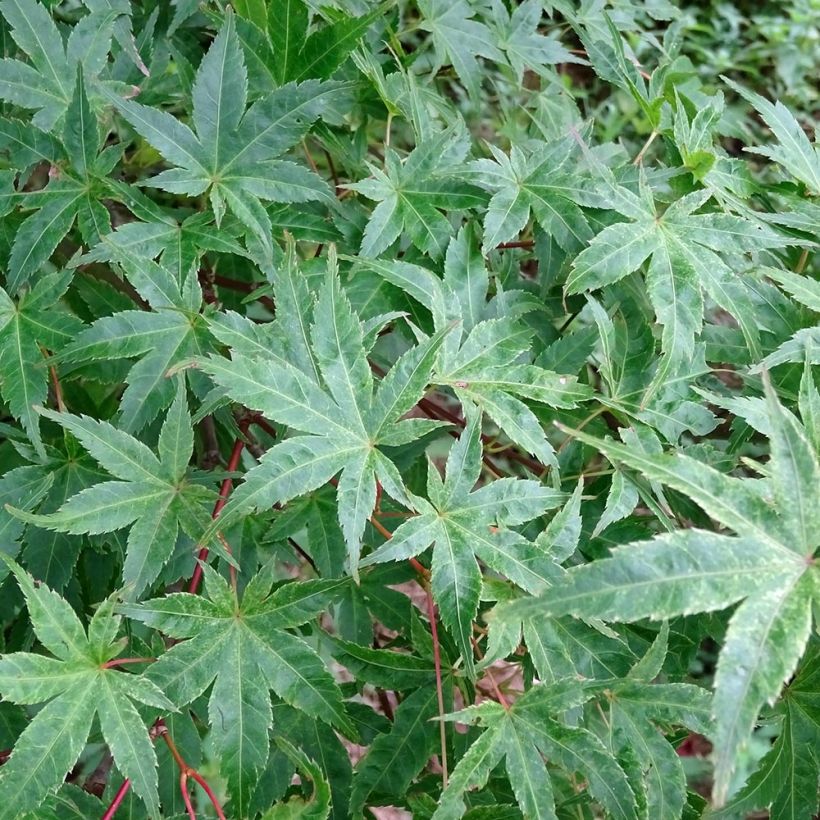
171	333
72	196
518	36
684	250
524	736
46	86
293	54
412	194
323	388
484	359
767	565
635	712
233	154
52	556
542	183
794	151
34	323
77	685
148	494
459	39
786	781
464	525
244	649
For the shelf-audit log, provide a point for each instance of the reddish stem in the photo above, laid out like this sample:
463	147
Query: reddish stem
117	801
522	243
207	789
224	492
123	661
442	726
431	613
183	787
185	772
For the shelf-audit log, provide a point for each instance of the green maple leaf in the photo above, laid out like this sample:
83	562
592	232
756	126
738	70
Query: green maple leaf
162	338
517	35
74	194
76	685
793	151
627	371
412	193
315	807
486	358
768	567
542	182
465	524
46	86
148	494
179	245
290	52
634	709
51	556
524	736
458	39
322	387
234	154
32	324
244	649
22	487
684	252
786	781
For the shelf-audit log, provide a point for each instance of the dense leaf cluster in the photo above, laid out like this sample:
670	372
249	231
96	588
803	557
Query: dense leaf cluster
416	397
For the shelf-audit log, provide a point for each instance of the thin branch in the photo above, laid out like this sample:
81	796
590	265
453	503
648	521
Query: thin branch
639	158
207	789
186	797
187	771
224	492
117	801
124	661
431	613
58	389
521	243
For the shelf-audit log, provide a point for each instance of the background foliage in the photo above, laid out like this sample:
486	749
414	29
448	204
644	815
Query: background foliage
415	398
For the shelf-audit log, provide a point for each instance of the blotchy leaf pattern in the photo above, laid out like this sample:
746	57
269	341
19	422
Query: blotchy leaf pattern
409	403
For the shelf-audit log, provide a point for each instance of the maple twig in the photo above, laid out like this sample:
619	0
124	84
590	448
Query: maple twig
122	661
442	727
431	613
117	801
187	771
521	243
58	389
264	424
207	789
499	695
802	261
186	797
436	411
224	492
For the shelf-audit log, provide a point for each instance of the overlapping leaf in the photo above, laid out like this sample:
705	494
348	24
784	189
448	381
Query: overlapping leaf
148	494
76	685
767	565
463	525
245	650
234	153
324	389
